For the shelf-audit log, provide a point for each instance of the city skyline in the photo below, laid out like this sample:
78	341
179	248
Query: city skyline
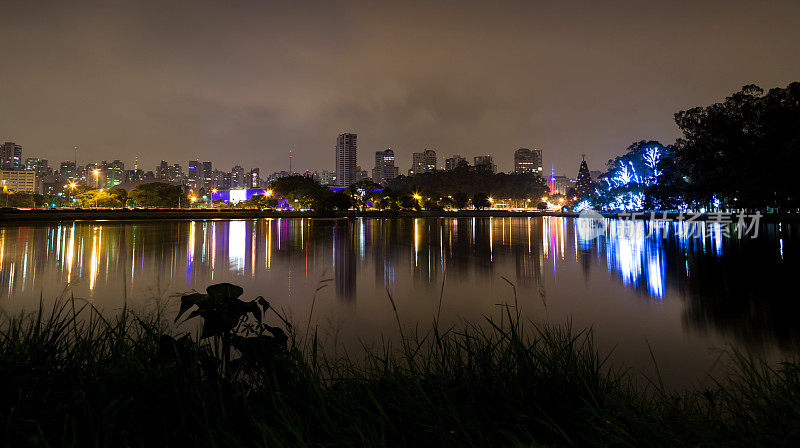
205	174
148	78
135	161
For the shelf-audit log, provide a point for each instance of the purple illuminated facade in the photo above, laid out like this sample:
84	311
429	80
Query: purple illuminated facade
235	196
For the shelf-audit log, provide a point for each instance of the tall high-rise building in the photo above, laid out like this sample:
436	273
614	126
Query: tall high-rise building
484	162
40	166
237	177
451	163
384	167
10	156
346	154
162	171
176	173
528	161
208	177
194	174
68	172
222	180
254	178
113	173
423	162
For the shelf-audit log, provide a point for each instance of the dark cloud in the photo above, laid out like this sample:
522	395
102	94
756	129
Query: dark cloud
242	82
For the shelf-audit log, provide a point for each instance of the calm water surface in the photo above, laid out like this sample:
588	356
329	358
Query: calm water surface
685	297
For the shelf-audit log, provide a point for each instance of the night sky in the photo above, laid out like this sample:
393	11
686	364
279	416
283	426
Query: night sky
239	82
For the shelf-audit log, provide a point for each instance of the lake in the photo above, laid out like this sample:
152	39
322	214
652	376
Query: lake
686	291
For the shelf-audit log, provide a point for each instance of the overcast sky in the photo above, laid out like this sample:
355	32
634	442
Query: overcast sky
239	82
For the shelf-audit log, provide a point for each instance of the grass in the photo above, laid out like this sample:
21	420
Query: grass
69	377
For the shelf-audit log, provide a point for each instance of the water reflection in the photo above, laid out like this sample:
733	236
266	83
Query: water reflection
728	286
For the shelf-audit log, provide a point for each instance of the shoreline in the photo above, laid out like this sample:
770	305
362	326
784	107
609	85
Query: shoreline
39	215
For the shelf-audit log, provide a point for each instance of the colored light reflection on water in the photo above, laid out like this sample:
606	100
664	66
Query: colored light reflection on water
683	287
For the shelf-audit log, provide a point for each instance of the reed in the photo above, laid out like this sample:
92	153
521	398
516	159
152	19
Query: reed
70	376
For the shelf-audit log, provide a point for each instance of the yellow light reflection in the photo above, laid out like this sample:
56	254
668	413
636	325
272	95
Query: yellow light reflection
416	241
70	246
97	237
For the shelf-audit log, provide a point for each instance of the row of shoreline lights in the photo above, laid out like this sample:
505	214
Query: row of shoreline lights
545	199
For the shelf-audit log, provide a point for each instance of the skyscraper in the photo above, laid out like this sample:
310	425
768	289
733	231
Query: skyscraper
384	167
346	154
68	172
237	177
451	163
485	162
162	171
254	178
423	162
10	156
41	166
208	177
113	173
527	161
194	173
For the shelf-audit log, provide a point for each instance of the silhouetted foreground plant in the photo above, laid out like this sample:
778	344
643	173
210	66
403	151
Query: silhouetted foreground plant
225	318
70	377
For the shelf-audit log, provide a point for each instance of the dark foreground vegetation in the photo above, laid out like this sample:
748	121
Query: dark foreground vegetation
71	377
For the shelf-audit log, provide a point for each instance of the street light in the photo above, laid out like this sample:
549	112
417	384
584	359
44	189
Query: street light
71	186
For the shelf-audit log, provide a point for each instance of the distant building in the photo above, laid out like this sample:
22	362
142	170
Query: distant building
278	175
237	177
67	172
162	170
40	166
595	175
384	170
486	162
327	178
176	174
113	173
560	184
220	180
451	163
362	174
18	180
208	176
346	154
194	175
253	178
528	161
10	156
134	175
423	162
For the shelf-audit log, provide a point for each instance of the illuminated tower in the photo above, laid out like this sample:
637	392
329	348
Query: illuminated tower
551	181
346	153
